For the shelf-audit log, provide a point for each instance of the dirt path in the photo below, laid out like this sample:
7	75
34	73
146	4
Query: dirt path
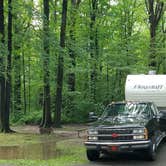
68	131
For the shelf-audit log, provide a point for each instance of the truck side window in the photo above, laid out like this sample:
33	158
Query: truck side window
148	112
154	110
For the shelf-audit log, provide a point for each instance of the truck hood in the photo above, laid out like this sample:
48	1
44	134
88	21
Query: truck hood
121	121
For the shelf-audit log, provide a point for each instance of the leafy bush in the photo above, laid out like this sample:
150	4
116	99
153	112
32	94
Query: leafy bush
33	117
79	112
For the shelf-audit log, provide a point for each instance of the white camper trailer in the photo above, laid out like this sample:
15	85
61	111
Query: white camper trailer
146	88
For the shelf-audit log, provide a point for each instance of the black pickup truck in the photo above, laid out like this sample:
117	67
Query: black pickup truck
127	127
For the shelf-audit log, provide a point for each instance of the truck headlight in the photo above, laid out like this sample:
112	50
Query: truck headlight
138	137
92	138
140	134
138	131
92	132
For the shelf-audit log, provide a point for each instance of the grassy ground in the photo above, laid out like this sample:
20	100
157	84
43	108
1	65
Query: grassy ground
22	139
70	151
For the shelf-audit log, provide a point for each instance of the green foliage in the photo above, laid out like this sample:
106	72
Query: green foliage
32	118
77	110
122	36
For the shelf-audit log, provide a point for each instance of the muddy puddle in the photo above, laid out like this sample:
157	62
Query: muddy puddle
41	151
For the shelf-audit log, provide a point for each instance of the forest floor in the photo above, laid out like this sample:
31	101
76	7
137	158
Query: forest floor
26	147
65	130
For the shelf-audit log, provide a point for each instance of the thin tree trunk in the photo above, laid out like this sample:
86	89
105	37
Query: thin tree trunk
9	58
55	10
24	87
17	84
164	43
72	53
155	12
46	122
107	79
57	116
2	67
17	65
93	48
29	83
127	22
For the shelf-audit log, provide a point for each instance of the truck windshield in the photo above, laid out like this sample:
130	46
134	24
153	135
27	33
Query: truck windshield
126	109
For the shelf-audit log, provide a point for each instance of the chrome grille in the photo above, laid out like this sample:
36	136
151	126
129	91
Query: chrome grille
121	134
115	139
120	131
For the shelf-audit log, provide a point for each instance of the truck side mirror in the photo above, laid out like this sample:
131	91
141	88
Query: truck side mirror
161	114
92	116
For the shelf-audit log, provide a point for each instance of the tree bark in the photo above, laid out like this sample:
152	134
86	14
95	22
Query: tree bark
72	55
94	48
57	116
29	83
9	59
72	33
17	81
24	82
17	29
2	68
155	11
46	121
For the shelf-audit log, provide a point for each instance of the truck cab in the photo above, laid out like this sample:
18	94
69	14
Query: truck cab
126	127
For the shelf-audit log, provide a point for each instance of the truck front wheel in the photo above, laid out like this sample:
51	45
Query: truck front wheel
92	155
151	153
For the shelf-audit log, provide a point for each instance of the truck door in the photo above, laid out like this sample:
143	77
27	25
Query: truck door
161	115
163	120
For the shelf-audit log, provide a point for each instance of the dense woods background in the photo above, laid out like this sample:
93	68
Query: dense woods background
60	59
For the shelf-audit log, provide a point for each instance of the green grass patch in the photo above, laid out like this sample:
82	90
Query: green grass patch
69	152
22	139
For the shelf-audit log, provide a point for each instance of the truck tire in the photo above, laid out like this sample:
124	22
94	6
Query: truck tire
92	155
151	153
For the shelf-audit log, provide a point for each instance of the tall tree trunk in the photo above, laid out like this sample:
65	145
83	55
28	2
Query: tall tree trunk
58	107
164	43
29	83
9	58
55	11
17	29
127	23
155	11
71	76
46	122
17	84
72	54
2	67
24	82
17	74
94	48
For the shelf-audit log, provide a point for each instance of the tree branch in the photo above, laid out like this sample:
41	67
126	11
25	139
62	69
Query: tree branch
159	12
147	6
